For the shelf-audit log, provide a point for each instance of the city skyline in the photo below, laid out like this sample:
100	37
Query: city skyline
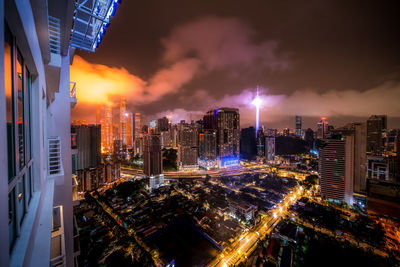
296	75
199	133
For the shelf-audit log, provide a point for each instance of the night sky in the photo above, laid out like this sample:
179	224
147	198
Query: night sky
339	59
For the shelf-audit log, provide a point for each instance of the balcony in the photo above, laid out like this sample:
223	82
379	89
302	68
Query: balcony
72	94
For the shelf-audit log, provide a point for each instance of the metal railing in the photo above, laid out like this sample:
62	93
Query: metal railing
54	154
54	35
72	89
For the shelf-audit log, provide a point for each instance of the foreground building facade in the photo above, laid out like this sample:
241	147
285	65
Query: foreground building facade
37	42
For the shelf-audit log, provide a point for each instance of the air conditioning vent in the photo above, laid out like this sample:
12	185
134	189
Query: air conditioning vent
54	150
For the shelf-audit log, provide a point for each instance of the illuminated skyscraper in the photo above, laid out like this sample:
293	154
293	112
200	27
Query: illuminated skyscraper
122	121
337	169
129	129
322	128
152	160
187	146
298	125
260	143
270	148
376	126
138	124
207	145
107	130
227	124
355	135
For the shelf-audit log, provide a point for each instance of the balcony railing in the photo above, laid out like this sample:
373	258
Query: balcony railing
54	156
72	91
72	94
54	35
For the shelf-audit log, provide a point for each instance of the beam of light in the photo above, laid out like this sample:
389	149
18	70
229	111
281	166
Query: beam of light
257	102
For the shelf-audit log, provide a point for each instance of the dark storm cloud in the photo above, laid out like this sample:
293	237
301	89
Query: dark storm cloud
329	54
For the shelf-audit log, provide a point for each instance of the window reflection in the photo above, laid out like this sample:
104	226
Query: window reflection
9	113
20	111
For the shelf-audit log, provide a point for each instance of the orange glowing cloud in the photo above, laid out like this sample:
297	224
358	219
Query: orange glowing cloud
97	84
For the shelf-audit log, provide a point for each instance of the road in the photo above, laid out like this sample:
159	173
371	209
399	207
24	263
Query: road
244	246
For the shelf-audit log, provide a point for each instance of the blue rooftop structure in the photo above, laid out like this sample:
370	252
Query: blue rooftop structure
91	18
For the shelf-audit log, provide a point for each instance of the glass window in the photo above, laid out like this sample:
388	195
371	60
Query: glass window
27	112
18	107
11	218
20	111
21	199
8	66
29	184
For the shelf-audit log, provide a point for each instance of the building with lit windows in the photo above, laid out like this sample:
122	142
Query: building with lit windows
376	126
122	121
260	143
88	145
270	148
138	124
38	40
129	129
226	123
336	169
298	125
187	146
152	160
208	150
322	128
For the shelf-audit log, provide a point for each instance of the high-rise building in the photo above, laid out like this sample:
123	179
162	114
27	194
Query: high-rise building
336	164
174	136
226	122
208	150
138	124
129	129
37	44
248	143
322	128
152	160
122	121
187	146
163	124
270	148
208	145
376	125
139	146
166	139
260	143
88	145
298	125
107	130
357	132
309	137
